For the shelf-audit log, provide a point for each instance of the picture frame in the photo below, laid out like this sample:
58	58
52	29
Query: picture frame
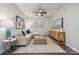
58	23
20	24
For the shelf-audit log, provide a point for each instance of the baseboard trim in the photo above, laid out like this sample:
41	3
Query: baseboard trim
73	48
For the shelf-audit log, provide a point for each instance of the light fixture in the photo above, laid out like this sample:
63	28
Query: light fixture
39	12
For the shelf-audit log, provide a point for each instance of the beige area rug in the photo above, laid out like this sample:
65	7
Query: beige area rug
50	47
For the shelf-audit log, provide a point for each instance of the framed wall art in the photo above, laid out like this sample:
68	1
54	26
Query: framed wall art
20	24
58	23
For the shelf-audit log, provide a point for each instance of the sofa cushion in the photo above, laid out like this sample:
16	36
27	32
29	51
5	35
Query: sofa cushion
28	36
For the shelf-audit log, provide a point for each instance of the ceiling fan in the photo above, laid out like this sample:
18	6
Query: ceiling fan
40	12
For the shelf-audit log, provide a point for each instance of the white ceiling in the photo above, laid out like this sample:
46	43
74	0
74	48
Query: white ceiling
28	8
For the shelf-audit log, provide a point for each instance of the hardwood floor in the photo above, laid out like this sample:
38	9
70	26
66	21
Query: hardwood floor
68	50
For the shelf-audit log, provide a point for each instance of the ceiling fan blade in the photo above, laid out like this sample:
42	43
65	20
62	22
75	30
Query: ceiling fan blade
44	12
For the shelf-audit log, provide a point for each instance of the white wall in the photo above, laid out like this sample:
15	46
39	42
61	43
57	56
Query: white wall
9	10
70	14
33	20
8	13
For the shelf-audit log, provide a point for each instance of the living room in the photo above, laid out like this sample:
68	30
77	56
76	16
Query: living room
39	19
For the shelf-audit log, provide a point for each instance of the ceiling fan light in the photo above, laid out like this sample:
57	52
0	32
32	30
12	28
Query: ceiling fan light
39	14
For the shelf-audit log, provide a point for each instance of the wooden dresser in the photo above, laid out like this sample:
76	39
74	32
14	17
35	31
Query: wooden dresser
59	37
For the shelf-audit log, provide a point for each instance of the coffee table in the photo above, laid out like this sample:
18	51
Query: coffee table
40	40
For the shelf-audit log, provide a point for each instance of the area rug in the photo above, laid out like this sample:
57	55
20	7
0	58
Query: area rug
50	47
